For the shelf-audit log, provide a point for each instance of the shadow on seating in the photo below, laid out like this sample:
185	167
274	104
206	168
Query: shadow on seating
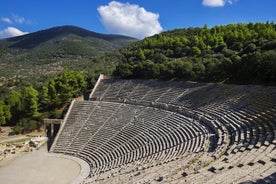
269	179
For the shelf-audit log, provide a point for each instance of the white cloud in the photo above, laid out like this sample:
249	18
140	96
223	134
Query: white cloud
7	20
129	19
11	32
217	3
17	19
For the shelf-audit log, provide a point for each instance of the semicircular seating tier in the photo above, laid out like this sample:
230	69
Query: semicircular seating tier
147	130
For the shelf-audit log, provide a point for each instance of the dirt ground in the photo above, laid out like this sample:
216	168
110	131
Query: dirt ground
36	166
39	167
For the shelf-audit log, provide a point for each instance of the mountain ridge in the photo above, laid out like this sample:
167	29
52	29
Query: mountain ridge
31	40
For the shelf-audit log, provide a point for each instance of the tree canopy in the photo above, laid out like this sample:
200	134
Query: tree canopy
25	107
236	53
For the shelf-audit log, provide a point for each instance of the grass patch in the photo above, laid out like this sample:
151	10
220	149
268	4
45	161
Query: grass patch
19	140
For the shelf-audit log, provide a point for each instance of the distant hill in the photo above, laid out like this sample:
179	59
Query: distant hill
57	34
50	50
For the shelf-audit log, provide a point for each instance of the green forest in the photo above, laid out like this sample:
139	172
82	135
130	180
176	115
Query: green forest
25	108
235	53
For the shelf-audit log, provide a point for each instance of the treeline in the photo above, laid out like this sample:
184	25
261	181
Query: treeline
236	53
25	108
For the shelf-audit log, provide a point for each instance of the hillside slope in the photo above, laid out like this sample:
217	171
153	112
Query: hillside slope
235	53
48	51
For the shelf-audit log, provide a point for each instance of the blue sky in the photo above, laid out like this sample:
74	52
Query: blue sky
137	18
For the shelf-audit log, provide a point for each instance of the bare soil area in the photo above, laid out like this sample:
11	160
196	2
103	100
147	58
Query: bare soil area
38	167
12	145
24	159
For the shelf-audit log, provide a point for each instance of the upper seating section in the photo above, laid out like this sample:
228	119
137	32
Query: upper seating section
188	94
234	106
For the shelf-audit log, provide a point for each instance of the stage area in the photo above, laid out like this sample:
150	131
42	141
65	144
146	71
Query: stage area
40	167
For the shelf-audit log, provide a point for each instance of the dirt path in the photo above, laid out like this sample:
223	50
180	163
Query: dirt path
38	167
12	138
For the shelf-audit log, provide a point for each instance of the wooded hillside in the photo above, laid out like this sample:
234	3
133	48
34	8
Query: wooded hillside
236	53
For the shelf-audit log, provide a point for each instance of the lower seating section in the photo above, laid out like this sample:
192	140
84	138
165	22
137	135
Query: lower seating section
143	131
114	134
